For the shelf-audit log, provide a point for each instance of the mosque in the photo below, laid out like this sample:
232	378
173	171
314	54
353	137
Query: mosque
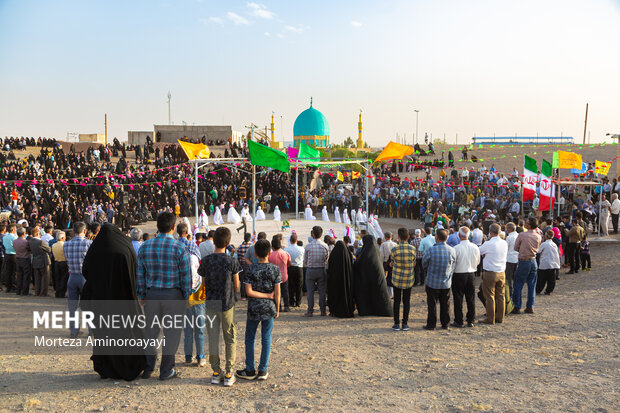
311	127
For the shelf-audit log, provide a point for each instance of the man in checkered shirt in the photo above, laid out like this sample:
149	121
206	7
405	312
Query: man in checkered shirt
403	258
315	261
75	250
439	262
163	284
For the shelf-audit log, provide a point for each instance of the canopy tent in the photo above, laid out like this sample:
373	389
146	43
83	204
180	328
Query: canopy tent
200	163
583	183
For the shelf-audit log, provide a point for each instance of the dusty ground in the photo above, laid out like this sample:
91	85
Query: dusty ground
564	358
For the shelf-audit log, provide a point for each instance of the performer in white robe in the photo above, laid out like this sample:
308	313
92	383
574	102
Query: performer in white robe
217	217
308	214
260	214
361	217
345	217
276	214
348	232
353	217
324	215
337	215
203	221
375	223
233	215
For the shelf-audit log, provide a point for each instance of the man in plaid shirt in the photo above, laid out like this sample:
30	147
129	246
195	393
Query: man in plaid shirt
163	284
315	261
418	271
75	250
241	252
403	259
439	262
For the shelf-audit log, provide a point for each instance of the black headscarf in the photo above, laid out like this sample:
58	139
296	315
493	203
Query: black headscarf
371	293
110	271
340	282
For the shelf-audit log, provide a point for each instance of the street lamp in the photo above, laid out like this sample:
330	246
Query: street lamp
417	112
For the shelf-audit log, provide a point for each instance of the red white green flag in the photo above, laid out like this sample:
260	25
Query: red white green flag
546	187
530	177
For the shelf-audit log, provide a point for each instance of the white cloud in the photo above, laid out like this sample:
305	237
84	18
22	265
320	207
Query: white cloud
235	18
356	24
260	10
267	34
298	29
280	36
216	20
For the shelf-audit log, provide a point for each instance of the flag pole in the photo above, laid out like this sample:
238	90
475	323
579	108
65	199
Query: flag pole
253	199
196	192
296	190
559	194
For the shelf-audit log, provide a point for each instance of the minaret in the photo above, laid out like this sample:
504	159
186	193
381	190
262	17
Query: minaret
360	142
273	129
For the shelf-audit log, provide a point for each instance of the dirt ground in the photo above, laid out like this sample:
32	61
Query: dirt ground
563	358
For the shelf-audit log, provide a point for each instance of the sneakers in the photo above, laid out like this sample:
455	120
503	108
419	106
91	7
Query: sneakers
202	362
262	375
405	327
529	310
188	361
246	375
216	378
396	327
516	310
229	380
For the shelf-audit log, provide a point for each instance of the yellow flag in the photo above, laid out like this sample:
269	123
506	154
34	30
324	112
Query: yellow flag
195	150
601	167
340	177
394	150
569	160
356	175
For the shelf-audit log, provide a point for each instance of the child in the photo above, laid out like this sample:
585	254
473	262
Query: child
220	274
262	286
585	253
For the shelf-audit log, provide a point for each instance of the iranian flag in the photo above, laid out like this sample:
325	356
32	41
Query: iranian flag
546	187
530	177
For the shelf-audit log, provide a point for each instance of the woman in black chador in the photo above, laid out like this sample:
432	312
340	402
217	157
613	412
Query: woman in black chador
370	286
340	282
110	289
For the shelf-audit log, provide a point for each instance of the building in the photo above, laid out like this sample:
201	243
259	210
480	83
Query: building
311	128
92	138
211	133
138	137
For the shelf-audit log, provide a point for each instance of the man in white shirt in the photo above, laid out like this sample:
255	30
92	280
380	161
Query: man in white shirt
467	260
615	211
295	271
207	247
494	252
386	251
512	259
549	266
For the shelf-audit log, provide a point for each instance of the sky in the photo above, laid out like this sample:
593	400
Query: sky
471	68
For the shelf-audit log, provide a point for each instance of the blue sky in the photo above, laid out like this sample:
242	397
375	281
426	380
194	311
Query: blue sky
471	67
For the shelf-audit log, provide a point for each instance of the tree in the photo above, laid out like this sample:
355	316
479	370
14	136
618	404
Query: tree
348	143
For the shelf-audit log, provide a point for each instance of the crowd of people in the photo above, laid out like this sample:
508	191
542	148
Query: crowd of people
71	222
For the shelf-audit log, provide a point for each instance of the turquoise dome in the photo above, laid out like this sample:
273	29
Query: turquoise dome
311	122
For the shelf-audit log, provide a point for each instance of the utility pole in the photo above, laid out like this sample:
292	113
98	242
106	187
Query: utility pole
585	126
415	138
105	121
169	97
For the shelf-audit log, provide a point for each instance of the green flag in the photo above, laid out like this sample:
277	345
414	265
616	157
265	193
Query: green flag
262	155
307	153
556	160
